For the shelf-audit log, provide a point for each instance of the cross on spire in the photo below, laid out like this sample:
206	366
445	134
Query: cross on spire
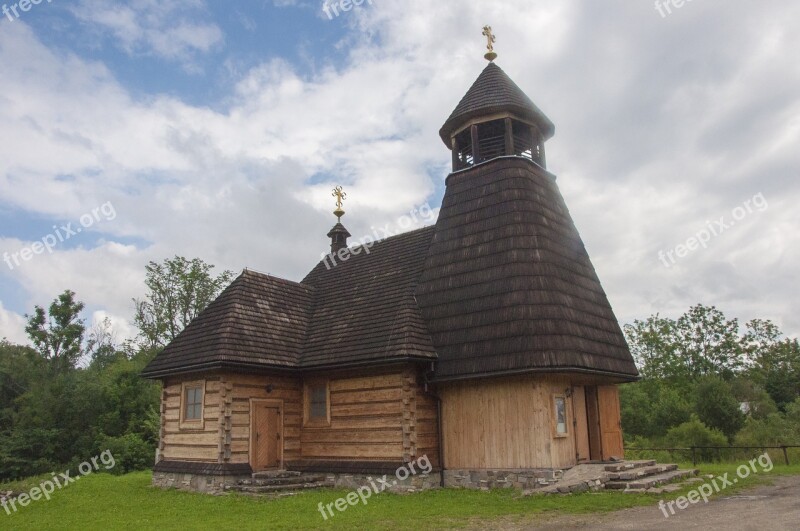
340	196
487	32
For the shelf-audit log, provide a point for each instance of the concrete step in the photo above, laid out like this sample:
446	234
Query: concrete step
628	465
268	489
269	474
638	473
642	484
276	481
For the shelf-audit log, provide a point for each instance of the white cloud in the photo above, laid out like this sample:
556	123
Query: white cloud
171	30
661	124
12	326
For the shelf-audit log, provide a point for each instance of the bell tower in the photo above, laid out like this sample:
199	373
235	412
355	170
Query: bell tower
495	119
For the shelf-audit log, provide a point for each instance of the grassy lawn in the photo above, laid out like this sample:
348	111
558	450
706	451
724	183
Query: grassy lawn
103	501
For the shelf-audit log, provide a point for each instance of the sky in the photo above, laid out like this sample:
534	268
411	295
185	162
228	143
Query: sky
217	129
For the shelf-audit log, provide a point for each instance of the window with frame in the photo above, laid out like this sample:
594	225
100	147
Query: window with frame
317	410
560	410
192	398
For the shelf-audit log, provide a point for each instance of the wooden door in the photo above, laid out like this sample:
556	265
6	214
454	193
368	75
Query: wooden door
581	423
610	422
593	424
265	437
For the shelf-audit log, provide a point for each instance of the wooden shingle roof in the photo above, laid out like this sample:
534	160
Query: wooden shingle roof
495	92
258	321
364	307
502	284
361	310
508	286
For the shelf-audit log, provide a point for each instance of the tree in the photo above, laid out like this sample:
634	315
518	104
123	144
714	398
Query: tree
717	407
708	343
651	407
652	345
178	290
58	334
775	362
699	343
102	345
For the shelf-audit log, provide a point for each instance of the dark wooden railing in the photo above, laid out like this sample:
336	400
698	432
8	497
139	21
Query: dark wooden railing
706	450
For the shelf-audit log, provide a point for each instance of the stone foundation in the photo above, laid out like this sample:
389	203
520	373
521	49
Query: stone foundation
413	483
216	484
527	479
208	484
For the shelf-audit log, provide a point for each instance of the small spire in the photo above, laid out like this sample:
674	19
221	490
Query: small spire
487	32
338	234
340	196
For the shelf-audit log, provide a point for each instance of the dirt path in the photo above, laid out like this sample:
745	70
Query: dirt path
767	507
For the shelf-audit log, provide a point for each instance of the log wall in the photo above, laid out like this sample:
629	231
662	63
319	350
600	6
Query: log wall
187	444
381	417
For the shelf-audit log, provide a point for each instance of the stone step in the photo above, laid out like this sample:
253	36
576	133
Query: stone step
628	465
267	489
650	481
275	481
268	474
638	473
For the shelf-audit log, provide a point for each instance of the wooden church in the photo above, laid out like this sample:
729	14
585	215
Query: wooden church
484	343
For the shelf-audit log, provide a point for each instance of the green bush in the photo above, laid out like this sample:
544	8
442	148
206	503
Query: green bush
130	452
695	433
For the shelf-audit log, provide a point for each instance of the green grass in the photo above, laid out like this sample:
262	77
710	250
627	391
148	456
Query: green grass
128	502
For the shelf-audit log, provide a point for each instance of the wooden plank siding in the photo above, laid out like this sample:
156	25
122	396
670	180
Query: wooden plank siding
427	425
505	423
245	387
190	444
384	417
610	423
367	420
581	423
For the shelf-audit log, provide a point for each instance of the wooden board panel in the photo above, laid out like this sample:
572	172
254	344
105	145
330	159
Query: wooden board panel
266	439
206	438
581	423
366	382
193	453
352	451
369	396
610	424
351	436
593	422
366	410
504	423
366	420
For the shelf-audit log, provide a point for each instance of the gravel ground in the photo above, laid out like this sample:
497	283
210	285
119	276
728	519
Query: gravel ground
762	508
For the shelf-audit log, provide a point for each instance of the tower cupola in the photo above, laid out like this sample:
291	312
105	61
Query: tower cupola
494	119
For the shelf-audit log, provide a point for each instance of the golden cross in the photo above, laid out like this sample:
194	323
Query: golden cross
487	32
340	196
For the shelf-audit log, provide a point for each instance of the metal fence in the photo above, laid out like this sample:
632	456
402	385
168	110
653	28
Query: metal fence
708	453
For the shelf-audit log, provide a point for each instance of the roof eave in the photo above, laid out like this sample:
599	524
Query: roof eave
623	377
297	370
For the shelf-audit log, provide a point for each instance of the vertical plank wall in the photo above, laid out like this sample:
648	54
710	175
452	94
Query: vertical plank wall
610	423
581	423
505	423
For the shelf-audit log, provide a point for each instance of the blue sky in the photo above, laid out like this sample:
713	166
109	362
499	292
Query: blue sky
217	129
